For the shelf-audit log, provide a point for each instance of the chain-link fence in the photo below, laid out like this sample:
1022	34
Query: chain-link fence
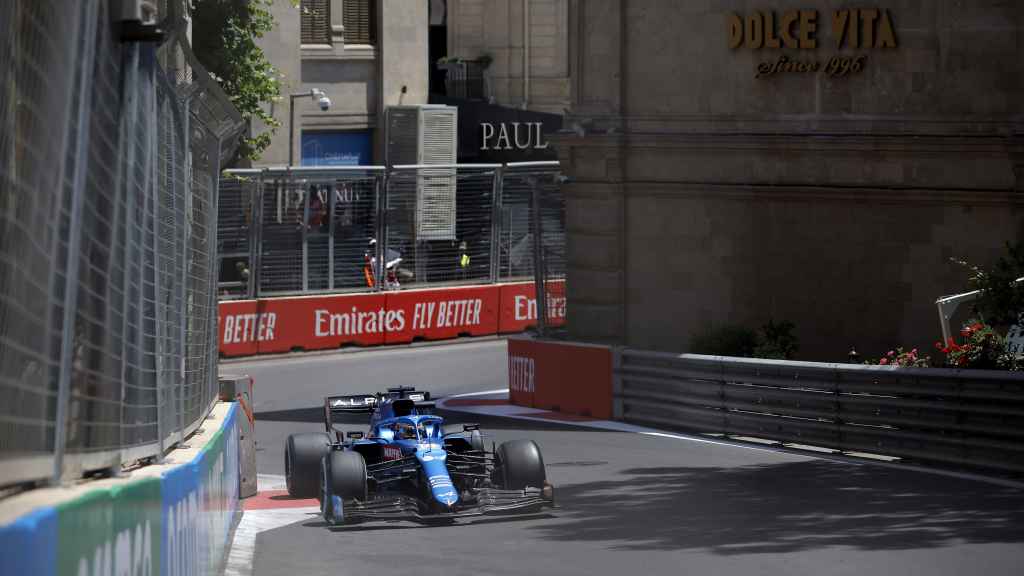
356	229
109	158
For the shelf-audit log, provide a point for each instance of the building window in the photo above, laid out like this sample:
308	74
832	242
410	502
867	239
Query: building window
316	21
359	17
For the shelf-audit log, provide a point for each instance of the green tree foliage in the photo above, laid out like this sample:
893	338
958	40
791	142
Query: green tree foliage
774	340
224	34
1001	302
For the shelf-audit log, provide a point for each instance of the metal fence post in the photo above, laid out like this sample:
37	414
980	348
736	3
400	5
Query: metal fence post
186	235
74	239
330	237
496	224
538	256
212	313
256	238
154	212
305	234
383	184
128	127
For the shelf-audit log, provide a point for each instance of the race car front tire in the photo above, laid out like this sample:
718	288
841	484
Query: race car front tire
302	456
346	472
521	464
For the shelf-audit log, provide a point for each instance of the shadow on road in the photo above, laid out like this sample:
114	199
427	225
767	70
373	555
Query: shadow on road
785	507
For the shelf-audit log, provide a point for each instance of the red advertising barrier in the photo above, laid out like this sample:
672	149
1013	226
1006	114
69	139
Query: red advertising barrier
320	322
519	306
307	323
440	314
565	377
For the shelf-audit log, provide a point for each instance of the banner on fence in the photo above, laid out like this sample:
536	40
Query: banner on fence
321	322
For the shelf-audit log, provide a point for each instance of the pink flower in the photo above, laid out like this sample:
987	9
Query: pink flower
883	361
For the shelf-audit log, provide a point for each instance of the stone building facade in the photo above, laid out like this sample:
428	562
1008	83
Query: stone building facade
527	43
735	162
380	61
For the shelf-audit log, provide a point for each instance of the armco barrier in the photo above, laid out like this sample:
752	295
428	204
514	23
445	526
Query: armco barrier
561	376
284	324
929	416
936	416
171	519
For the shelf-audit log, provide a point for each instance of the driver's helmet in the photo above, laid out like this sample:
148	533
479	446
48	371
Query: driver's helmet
405	431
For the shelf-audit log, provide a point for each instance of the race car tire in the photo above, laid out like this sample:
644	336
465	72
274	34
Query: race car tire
346	471
521	464
302	455
476	441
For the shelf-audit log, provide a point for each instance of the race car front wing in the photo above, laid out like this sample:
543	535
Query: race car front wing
489	501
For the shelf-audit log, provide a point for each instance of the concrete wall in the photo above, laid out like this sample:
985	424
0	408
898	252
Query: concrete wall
171	518
359	79
704	195
495	28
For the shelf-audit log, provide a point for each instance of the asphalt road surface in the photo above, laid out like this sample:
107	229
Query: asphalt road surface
629	503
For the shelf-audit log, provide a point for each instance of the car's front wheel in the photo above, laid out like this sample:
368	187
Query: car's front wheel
342	477
521	465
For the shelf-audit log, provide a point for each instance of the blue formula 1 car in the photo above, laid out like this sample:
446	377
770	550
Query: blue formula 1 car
410	465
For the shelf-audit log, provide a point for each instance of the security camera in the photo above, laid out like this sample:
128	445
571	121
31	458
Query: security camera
324	102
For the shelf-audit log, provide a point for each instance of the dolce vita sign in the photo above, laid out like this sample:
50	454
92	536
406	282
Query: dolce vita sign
858	29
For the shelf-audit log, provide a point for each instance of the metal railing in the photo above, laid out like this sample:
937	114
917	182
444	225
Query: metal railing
317	230
945	417
465	79
109	157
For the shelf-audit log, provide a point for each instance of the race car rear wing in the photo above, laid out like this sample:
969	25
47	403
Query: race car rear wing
408	398
356	404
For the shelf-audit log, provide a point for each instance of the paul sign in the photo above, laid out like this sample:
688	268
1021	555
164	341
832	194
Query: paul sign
521	136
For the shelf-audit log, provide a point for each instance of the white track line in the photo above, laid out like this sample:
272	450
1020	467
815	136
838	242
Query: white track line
243	547
484	393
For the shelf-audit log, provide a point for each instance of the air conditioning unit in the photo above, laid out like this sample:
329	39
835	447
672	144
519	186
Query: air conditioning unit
427	135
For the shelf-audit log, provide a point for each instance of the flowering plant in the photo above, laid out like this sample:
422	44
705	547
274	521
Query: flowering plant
899	357
982	348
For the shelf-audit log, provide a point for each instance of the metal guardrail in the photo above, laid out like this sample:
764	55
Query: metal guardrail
963	418
308	230
109	159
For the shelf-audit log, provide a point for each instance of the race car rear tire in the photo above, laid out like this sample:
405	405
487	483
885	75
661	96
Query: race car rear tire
302	456
476	441
521	464
346	471
475	438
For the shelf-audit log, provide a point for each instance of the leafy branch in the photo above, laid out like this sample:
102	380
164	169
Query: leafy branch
224	36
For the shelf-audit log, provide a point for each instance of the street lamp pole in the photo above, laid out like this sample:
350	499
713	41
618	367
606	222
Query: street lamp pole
322	100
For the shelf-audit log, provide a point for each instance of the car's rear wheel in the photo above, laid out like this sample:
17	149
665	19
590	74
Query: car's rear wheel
302	455
521	464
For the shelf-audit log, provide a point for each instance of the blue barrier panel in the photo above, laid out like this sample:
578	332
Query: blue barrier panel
174	524
29	544
110	530
199	501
